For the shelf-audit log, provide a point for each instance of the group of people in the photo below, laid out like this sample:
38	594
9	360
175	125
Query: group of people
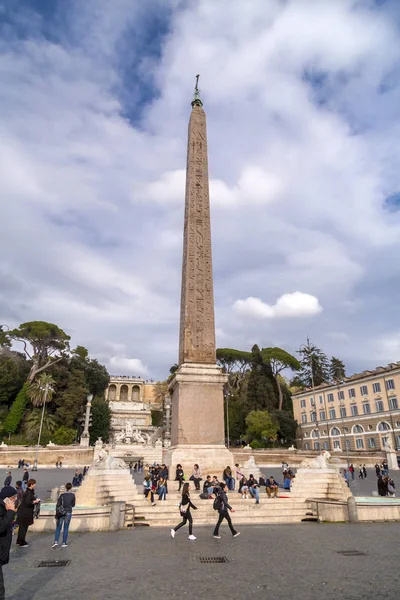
156	482
382	469
22	463
136	467
362	471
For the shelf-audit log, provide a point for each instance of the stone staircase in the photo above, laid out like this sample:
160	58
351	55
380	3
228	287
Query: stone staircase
319	483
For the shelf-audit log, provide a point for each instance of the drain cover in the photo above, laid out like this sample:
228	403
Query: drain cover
351	553
53	563
205	560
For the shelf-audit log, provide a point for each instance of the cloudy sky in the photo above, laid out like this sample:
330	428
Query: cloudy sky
302	100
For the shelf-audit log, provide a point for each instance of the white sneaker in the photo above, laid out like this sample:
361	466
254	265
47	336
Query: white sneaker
236	534
172	533
64	545
55	545
192	537
242	496
217	537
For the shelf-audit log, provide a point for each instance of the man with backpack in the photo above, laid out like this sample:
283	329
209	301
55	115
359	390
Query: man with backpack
223	507
65	504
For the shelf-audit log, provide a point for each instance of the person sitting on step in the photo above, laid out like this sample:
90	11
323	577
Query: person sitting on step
272	488
244	488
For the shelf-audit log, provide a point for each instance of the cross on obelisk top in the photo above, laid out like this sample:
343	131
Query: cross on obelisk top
196	96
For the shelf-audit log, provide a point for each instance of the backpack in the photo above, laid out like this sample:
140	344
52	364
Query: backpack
218	504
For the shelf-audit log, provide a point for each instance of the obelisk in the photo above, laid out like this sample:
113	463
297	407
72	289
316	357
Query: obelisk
197	430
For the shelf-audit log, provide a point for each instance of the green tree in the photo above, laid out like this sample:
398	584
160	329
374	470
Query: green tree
72	400
232	360
64	436
32	423
41	390
287	426
48	343
279	360
314	367
101	420
261	388
337	370
14	369
17	410
261	425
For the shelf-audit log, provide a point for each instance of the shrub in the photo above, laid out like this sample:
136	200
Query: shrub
17	410
256	445
64	436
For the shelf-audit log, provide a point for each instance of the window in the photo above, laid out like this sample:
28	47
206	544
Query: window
379	406
340	395
326	445
354	410
393	405
346	429
364	390
389	384
397	442
314	433
370	427
371	443
321	399
383	426
358	429
347	445
398	424
302	403
352	393
304	418
332	413
342	411
322	415
306	446
312	403
376	387
335	431
330	397
313	416
366	408
336	444
359	443
316	445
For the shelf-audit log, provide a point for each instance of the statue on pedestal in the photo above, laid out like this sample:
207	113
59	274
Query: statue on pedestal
106	461
319	462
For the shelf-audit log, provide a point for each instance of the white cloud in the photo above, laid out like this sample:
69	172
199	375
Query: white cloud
296	304
122	365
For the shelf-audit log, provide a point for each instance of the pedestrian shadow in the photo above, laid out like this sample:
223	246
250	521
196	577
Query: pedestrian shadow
33	587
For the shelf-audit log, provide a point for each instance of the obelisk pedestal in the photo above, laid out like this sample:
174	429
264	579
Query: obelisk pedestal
197	432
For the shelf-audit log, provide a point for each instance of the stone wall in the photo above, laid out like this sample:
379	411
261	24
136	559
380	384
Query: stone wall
275	457
70	456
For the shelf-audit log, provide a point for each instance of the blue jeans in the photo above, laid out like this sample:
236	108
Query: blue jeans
255	493
64	520
230	482
162	493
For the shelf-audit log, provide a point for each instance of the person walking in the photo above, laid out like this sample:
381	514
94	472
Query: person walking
65	504
364	472
8	497
184	509
25	513
8	479
223	507
25	479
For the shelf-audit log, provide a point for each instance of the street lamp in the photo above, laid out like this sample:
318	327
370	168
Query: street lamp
85	433
227	395
46	388
307	350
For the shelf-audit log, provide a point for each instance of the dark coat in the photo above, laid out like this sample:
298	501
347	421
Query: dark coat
7	480
25	510
26	476
6	521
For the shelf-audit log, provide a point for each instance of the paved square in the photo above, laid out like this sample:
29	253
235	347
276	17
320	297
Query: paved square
289	561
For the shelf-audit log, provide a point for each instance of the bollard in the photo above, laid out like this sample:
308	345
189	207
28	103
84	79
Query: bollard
54	494
117	515
352	507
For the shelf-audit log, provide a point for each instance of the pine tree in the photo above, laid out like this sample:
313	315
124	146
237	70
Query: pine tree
337	370
72	400
314	366
101	420
262	393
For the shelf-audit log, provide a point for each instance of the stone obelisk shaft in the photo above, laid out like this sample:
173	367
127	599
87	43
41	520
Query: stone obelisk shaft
197	327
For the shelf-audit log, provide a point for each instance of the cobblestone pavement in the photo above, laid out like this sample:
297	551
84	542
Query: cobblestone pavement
281	561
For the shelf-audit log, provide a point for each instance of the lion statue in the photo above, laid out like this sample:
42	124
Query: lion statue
319	462
106	461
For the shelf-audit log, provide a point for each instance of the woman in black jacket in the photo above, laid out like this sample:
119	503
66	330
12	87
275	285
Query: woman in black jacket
25	513
186	515
179	476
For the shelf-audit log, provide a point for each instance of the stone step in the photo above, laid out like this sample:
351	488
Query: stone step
237	520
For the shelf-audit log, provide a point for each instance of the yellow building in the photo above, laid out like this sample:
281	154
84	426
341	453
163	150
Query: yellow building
360	413
124	388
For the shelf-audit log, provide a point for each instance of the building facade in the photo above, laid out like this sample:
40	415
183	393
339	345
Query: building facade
360	413
131	401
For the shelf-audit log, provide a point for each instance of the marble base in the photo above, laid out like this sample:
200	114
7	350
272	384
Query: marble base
211	459
391	458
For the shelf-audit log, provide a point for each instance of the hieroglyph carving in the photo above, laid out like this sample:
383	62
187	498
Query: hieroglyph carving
197	328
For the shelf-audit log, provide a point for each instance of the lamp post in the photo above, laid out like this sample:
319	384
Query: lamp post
46	388
85	434
308	351
227	396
